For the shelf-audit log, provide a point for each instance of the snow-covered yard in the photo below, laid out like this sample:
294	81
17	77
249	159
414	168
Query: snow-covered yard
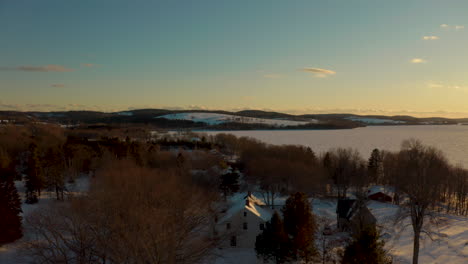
9	254
451	245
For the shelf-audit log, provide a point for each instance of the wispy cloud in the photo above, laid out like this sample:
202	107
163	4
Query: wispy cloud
88	65
58	85
434	85
318	72
440	85
430	37
418	60
456	27
45	68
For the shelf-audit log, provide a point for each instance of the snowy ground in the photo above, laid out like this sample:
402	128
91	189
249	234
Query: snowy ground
9	254
450	247
216	119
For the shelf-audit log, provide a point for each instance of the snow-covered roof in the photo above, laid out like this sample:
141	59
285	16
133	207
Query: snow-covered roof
379	188
255	207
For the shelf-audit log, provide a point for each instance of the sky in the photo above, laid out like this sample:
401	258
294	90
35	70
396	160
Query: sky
297	56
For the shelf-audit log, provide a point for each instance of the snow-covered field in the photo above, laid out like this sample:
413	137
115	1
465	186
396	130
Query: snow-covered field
9	254
216	119
450	245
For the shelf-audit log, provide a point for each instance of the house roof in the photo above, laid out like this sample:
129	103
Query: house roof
379	194
378	188
364	214
255	207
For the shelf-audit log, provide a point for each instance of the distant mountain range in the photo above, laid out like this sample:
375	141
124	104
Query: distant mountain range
221	120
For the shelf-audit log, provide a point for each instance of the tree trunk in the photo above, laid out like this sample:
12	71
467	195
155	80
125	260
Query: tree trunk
272	201
416	246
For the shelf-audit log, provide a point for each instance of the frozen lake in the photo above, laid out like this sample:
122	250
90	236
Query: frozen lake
451	139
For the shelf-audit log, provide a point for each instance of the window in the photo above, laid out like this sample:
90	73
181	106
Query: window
245	226
228	226
233	241
262	226
245	213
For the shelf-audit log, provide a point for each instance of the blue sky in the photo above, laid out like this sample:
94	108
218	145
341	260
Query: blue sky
295	56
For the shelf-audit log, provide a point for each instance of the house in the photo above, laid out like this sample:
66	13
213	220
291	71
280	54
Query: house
353	215
242	222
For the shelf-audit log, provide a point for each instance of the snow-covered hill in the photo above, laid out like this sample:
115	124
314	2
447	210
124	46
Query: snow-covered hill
216	119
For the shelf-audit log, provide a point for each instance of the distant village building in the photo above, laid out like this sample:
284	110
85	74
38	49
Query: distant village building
242	222
353	216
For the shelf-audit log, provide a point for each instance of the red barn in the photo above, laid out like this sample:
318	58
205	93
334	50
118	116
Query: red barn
381	197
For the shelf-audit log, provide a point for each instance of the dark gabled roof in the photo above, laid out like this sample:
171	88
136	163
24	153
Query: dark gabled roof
343	207
379	194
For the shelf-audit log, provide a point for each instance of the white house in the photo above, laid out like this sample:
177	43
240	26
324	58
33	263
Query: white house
242	222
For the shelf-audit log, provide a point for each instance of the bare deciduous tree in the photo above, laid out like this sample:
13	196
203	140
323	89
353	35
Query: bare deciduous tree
421	170
131	215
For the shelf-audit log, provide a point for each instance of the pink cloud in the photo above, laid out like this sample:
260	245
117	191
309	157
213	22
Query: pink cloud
45	68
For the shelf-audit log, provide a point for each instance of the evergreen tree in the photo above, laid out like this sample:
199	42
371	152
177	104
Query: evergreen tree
327	162
10	203
229	183
366	248
34	180
273	243
299	223
374	165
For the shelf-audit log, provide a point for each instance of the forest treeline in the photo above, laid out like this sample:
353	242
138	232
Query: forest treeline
144	205
153	197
